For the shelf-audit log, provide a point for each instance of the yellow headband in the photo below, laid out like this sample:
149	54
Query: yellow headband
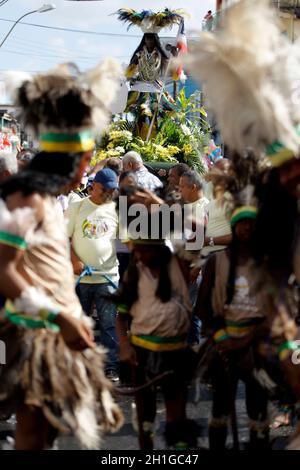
278	154
243	212
83	141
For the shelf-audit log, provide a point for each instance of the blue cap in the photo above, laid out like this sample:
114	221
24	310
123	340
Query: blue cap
107	178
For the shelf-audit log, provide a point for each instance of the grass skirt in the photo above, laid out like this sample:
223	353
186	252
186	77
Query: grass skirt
69	387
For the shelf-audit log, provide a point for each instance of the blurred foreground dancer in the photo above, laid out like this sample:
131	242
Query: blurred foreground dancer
54	376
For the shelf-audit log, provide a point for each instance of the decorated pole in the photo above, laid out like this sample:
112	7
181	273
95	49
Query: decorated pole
148	67
181	48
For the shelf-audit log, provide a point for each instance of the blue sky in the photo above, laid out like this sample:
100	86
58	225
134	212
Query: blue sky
35	49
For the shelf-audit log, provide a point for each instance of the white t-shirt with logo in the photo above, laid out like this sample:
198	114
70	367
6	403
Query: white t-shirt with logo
93	230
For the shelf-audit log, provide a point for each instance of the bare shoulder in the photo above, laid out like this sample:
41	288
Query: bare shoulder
34	201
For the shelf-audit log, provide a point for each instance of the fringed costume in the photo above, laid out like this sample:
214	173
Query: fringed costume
68	386
248	69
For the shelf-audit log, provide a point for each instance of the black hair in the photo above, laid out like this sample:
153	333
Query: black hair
157	45
128	291
180	168
114	164
126	174
194	178
274	234
29	182
164	287
46	173
233	260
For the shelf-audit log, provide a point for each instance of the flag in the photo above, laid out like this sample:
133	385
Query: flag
181	46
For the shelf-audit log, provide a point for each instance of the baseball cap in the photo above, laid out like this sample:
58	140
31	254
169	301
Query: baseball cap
107	178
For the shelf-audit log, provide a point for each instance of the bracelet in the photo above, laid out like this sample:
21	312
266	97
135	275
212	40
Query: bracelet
220	335
285	348
122	308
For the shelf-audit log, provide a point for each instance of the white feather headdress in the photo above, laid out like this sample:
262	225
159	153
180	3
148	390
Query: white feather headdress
65	100
239	67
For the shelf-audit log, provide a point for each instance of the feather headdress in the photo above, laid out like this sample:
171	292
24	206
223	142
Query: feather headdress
148	21
239	67
239	183
65	108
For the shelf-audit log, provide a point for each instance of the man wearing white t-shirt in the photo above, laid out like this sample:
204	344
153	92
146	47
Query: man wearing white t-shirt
192	195
92	228
191	189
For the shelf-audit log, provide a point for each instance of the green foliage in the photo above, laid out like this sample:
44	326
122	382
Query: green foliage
182	136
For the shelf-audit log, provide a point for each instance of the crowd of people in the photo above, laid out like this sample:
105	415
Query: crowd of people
160	310
132	277
193	281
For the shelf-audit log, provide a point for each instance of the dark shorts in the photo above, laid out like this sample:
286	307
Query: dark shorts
154	363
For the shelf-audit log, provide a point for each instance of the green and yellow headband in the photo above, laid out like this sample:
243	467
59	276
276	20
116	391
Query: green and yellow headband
278	154
243	212
78	142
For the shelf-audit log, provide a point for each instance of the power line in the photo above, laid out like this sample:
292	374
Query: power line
48	56
59	53
82	31
39	47
44	56
73	30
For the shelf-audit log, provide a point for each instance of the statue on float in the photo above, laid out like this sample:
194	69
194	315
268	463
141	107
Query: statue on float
148	68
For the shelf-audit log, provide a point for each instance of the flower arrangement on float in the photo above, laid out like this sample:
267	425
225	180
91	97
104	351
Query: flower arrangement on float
182	136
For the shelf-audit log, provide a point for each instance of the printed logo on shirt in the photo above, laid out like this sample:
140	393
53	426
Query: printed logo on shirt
242	298
241	288
96	228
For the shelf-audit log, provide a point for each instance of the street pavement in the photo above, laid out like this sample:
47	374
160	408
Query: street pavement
199	406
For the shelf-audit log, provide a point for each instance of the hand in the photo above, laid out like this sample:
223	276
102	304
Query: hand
76	334
78	267
127	353
146	197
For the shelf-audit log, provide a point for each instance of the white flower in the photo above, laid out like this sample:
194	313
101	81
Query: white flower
185	129
120	149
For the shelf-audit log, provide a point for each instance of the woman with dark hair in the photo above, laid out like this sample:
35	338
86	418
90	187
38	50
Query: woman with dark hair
276	254
275	230
54	375
230	315
154	296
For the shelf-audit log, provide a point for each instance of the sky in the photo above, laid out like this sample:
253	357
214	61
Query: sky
35	49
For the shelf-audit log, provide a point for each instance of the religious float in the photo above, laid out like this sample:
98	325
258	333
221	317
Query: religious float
164	129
